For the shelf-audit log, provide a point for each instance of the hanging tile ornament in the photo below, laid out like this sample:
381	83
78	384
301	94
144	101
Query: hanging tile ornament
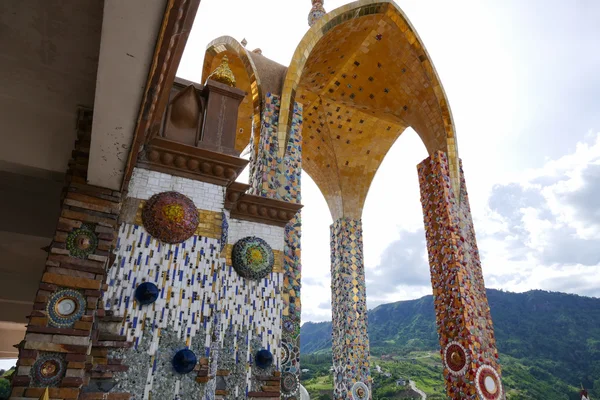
184	361
224	231
360	391
82	242
170	217
289	384
48	370
65	307
488	383
455	358
252	258
146	293
263	359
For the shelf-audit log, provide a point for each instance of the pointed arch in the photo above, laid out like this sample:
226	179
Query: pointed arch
334	68
247	78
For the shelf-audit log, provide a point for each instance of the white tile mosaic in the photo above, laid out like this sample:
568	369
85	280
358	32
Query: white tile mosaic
145	183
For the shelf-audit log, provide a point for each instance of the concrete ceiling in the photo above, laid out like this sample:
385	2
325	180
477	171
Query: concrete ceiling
28	215
129	33
48	60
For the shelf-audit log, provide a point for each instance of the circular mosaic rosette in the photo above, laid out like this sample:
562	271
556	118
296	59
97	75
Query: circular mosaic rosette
252	258
82	242
48	370
289	384
360	391
456	358
285	354
65	307
487	382
170	217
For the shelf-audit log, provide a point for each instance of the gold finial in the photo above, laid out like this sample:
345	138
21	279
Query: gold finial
223	73
45	395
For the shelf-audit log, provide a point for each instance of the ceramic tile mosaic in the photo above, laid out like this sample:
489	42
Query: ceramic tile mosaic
195	285
350	341
145	183
462	312
272	176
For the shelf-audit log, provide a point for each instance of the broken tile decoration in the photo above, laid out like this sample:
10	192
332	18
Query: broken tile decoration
170	217
65	307
196	283
252	258
48	370
463	316
360	391
488	384
272	176
350	341
82	242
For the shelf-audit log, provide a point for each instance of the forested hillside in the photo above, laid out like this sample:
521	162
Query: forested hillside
549	342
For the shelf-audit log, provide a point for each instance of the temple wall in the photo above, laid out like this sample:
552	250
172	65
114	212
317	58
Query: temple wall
204	304
463	317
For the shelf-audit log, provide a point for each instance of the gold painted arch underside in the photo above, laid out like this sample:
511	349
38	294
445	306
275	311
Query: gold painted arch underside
362	76
247	79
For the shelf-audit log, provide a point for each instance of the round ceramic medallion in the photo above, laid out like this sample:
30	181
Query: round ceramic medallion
360	391
65	307
170	217
82	242
263	359
289	384
146	293
488	383
48	370
184	361
455	358
252	258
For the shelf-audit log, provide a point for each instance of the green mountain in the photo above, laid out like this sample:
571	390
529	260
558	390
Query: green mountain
549	343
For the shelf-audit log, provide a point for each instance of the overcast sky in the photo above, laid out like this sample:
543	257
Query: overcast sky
523	84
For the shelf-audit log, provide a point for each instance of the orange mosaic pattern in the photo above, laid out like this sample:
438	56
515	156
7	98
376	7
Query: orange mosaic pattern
363	76
463	316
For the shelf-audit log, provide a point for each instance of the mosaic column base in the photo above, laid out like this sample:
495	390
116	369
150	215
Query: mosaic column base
350	343
464	324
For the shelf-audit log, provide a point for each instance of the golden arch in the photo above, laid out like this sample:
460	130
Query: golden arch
372	73
247	79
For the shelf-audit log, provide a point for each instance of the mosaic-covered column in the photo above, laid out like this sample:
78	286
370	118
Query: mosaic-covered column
468	346
272	176
350	342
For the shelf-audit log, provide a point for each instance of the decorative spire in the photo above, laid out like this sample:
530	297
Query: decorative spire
317	11
223	73
45	395
244	42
